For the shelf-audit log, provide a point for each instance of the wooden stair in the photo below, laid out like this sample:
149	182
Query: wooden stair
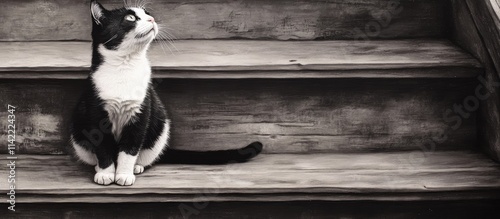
348	117
247	59
395	176
224	19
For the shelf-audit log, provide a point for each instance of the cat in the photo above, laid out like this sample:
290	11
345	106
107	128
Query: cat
120	125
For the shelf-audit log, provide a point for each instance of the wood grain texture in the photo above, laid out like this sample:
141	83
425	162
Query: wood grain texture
293	116
256	59
488	24
376	176
469	32
256	19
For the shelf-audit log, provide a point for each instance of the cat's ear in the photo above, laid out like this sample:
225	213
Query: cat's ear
97	11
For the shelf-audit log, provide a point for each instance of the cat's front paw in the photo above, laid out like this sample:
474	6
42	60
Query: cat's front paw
125	179
138	169
104	178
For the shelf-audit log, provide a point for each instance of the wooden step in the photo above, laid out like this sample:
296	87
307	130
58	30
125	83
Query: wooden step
402	176
215	19
205	59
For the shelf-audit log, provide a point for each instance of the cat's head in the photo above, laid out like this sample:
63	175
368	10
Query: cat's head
126	29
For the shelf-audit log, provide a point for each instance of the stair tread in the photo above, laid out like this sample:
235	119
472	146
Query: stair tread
271	177
254	58
216	19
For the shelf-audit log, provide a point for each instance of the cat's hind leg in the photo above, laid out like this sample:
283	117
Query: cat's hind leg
152	150
138	169
83	153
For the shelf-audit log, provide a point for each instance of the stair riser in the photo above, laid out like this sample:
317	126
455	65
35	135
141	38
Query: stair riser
282	19
288	116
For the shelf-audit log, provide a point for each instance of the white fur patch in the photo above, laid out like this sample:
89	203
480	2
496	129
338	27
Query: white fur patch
83	154
122	76
105	176
148	156
120	114
125	169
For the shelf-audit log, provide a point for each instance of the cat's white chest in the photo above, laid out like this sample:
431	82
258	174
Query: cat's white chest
123	89
123	83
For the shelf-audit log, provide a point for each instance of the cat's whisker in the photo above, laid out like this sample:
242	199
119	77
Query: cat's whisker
145	5
144	29
164	26
173	45
149	8
169	34
167	43
163	35
126	3
168	40
171	42
159	40
112	38
164	43
163	47
141	3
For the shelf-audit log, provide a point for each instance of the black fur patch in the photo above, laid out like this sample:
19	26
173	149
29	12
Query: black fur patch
112	27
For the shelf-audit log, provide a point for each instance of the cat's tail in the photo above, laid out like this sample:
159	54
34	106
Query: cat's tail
175	156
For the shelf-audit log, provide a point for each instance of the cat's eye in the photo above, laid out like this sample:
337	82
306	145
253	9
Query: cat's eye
130	17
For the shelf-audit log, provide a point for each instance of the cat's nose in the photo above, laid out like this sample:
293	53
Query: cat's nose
151	19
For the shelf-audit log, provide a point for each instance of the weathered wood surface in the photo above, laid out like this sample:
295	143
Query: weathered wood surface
488	24
284	177
293	116
464	209
486	17
482	44
255	59
199	19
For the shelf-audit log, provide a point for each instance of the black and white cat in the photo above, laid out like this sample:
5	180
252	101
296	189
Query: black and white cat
120	125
